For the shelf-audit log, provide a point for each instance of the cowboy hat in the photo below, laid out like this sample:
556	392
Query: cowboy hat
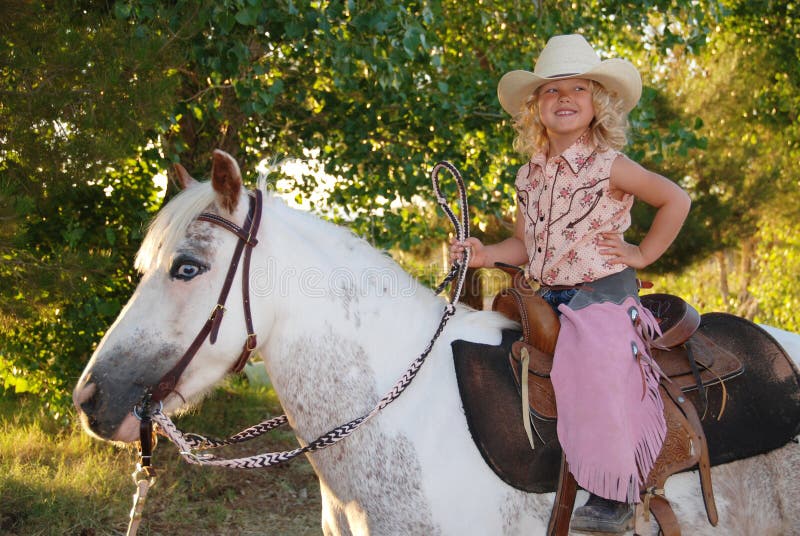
570	56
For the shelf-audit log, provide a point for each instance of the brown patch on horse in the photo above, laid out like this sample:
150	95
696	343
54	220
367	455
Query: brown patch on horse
226	179
184	179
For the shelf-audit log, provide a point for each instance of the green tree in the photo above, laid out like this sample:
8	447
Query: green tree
744	85
79	94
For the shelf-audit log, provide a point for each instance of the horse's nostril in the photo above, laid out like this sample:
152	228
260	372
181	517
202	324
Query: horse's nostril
83	395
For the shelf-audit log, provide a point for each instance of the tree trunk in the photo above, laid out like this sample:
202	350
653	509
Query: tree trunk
748	304
722	261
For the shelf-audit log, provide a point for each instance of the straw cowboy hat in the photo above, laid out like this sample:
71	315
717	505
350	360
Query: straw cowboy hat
570	56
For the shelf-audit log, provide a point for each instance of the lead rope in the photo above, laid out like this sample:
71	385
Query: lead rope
144	476
189	444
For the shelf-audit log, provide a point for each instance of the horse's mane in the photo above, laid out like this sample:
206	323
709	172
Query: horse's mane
170	224
343	248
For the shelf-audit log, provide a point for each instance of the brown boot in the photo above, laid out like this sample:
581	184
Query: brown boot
602	515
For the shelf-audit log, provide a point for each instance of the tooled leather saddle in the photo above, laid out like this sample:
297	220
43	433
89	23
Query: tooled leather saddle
689	360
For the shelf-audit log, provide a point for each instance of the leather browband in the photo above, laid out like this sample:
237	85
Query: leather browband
247	240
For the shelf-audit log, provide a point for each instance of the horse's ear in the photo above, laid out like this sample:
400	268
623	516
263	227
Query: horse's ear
226	179
184	179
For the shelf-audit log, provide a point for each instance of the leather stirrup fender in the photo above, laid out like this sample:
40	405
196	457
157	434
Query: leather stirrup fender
564	502
541	396
703	462
665	516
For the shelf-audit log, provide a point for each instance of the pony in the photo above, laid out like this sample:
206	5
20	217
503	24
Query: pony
337	322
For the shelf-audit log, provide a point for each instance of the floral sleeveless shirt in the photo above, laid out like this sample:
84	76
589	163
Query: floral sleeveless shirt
567	205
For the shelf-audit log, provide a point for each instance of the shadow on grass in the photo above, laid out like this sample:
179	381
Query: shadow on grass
39	507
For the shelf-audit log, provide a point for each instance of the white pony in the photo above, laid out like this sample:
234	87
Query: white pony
337	323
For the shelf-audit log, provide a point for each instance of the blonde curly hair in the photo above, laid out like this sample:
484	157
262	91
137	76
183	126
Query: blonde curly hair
608	128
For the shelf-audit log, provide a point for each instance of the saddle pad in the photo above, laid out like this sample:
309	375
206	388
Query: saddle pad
762	405
762	411
494	416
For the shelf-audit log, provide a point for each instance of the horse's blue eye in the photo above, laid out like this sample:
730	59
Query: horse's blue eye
187	270
184	268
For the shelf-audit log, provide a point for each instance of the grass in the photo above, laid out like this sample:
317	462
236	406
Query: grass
56	481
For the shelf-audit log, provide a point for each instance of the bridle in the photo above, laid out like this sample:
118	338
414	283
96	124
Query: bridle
144	475
247	241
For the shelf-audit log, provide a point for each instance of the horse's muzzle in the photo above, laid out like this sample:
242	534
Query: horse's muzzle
98	419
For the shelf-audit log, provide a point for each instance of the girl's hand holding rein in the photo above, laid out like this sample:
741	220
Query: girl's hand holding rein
510	251
478	251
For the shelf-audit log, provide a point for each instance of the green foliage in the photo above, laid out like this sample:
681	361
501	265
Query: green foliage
756	281
77	247
80	95
376	91
777	265
744	85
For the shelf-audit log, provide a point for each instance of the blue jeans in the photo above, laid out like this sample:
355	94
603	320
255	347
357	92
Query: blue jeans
557	297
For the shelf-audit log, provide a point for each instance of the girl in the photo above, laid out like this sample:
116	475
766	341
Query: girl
573	205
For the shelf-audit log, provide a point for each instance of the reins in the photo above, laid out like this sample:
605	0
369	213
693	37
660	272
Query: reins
189	444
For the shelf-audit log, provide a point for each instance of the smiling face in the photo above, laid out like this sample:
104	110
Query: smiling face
566	111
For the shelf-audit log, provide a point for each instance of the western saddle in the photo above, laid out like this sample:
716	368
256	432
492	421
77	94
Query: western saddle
689	361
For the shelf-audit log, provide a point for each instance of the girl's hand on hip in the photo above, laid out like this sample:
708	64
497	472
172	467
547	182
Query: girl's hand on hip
618	251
